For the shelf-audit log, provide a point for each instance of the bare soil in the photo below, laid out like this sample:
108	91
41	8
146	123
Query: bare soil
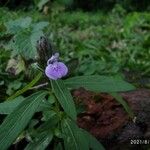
107	120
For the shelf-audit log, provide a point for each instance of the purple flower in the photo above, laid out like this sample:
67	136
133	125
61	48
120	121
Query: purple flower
53	59
55	70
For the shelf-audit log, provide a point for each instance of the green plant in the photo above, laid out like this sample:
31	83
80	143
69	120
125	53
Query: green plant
57	122
95	45
25	36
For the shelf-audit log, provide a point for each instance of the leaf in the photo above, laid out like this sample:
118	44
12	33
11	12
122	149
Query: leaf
8	106
43	134
44	106
40	26
99	83
27	87
15	123
73	137
25	40
123	103
42	3
41	142
14	26
47	114
49	124
64	97
24	43
65	2
94	144
13	86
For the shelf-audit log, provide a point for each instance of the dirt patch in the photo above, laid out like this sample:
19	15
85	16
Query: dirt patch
102	116
107	120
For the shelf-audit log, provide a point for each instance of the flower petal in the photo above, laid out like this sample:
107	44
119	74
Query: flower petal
56	70
62	68
50	73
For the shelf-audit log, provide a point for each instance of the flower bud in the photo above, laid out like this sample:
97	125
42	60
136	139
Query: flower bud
44	49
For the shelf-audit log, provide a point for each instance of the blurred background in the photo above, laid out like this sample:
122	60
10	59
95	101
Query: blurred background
93	36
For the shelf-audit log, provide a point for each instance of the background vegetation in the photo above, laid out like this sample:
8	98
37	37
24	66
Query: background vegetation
96	37
95	41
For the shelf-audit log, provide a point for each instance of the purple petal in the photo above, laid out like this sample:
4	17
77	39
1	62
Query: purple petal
62	69
50	73
56	70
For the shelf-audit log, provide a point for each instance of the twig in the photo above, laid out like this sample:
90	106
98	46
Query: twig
39	86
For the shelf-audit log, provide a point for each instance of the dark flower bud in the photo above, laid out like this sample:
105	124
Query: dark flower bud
45	51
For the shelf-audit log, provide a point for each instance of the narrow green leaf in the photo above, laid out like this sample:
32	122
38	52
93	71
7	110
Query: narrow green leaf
64	97
41	142
8	106
14	123
94	144
99	83
73	137
123	103
27	87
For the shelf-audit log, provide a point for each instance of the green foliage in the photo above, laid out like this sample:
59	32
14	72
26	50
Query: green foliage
78	139
40	3
14	123
100	43
73	138
41	142
93	143
26	36
64	97
14	85
65	2
15	26
7	107
99	83
104	43
27	87
123	103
